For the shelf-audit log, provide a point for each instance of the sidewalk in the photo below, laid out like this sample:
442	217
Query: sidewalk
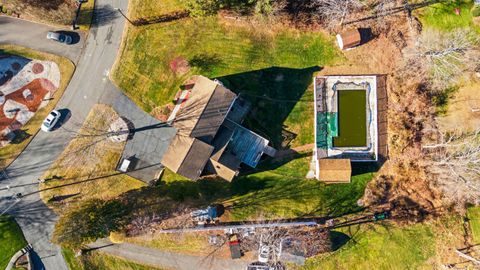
163	259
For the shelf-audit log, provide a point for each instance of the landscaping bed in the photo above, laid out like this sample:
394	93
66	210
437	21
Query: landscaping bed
11	151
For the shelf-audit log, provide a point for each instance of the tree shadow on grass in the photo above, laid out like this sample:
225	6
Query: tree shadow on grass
273	93
338	239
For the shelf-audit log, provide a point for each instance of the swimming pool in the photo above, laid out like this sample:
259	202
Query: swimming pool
352	119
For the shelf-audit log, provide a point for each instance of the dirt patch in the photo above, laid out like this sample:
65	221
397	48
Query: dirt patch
179	65
52	11
463	111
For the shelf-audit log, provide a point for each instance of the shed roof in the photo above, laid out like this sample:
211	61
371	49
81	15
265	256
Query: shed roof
335	170
349	39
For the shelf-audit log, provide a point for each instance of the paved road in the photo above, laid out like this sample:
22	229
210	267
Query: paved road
33	35
164	259
87	86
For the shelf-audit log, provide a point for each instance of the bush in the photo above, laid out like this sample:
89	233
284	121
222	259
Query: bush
476	11
199	8
91	220
264	7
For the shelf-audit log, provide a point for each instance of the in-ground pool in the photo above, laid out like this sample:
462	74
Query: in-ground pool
352	119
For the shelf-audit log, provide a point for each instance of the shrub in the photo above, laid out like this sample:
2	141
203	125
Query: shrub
264	7
476	11
91	220
198	8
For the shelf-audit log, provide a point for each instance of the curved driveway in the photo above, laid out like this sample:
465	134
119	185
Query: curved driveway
32	35
89	83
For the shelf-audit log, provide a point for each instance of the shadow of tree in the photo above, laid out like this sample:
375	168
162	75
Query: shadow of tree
338	239
102	15
273	93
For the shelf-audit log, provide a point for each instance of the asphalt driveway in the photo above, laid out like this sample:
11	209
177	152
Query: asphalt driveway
33	35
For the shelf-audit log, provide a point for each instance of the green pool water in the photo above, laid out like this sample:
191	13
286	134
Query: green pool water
352	119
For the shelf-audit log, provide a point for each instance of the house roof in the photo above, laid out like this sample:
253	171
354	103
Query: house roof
349	39
187	156
205	110
335	170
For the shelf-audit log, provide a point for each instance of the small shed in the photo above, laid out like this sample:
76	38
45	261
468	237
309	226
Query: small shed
335	170
349	39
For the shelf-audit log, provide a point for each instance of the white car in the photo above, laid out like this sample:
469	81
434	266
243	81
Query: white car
264	254
51	120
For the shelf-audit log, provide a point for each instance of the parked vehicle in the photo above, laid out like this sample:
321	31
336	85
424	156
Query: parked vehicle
59	37
207	215
259	266
263	254
51	120
234	245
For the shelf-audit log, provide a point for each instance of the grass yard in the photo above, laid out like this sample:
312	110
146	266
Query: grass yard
473	214
10	152
11	239
387	246
460	111
285	193
441	16
282	192
101	261
86	168
146	9
188	243
86	15
269	65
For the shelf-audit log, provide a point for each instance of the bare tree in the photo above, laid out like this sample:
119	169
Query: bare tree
334	12
456	161
444	57
384	13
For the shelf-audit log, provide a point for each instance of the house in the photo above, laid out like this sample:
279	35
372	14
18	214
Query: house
210	138
350	124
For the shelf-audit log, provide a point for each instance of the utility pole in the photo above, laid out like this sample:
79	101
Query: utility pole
126	18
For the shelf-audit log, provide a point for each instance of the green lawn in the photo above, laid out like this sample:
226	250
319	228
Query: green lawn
441	16
146	9
271	66
387	246
281	191
101	261
284	192
473	214
11	239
